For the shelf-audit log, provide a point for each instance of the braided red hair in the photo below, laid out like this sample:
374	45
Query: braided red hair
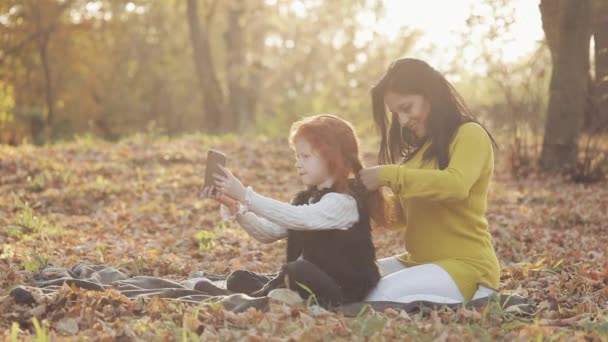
337	143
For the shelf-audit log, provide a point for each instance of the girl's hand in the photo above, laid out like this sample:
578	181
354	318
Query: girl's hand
229	185
207	192
370	177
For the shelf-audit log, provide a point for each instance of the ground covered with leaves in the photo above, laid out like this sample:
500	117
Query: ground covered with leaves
134	204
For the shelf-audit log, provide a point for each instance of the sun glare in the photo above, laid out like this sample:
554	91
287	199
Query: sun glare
442	23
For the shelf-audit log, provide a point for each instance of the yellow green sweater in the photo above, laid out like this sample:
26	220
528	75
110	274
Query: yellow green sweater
444	210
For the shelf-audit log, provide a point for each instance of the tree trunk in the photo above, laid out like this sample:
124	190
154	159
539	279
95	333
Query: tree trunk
44	30
600	34
47	15
48	85
568	90
549	10
236	69
213	99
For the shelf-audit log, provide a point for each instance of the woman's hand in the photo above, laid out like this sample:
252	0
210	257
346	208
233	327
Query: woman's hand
229	185
207	192
370	177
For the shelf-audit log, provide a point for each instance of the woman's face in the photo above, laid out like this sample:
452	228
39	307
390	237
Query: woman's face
412	111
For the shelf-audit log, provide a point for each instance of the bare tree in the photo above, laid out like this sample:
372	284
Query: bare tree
213	98
47	16
567	26
236	68
600	34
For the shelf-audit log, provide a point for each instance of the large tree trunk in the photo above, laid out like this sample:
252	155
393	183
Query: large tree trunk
600	34
549	10
568	36
44	28
213	99
49	90
236	69
47	15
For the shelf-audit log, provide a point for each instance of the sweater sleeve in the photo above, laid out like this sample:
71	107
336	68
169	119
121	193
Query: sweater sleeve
258	228
471	153
332	211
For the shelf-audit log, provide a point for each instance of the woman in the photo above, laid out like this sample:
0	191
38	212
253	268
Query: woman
438	161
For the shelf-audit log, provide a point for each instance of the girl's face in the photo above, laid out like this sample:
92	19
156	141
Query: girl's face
412	111
311	168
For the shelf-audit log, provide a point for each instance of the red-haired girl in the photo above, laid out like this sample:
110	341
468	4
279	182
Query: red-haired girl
327	225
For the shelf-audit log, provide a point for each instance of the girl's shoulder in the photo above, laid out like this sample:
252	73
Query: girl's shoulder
358	193
357	196
301	197
337	196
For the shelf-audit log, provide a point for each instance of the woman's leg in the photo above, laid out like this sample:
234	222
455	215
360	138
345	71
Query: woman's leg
390	265
421	282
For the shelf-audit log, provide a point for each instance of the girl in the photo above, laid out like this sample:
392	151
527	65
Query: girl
439	164
327	226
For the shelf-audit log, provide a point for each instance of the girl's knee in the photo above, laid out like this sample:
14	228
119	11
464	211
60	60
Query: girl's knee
305	277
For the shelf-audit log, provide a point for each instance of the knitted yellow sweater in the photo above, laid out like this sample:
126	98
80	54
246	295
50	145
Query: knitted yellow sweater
443	210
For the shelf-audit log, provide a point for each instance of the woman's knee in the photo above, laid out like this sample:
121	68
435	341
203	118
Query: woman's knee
426	279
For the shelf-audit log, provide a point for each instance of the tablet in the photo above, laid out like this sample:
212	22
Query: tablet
214	158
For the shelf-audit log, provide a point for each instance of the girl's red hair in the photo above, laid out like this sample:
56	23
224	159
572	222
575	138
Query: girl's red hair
336	142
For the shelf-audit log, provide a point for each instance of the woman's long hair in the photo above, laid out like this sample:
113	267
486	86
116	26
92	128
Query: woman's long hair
409	76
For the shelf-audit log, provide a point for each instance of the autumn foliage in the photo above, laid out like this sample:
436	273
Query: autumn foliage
134	204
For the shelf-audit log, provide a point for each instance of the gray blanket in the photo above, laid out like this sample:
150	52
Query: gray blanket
193	290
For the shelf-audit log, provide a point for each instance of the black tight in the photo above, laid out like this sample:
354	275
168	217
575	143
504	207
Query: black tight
325	289
313	279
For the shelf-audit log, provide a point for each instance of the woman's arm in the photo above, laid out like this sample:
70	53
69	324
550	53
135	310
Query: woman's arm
472	153
332	211
258	228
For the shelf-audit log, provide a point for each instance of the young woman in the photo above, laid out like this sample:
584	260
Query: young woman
438	161
327	225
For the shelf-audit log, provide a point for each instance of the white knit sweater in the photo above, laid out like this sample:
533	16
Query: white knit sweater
268	220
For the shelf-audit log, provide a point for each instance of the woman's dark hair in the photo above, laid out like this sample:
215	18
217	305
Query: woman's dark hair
409	76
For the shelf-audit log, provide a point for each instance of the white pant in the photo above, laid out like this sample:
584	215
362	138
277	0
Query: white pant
429	282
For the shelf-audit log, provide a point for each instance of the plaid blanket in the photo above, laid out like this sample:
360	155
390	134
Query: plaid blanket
193	290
